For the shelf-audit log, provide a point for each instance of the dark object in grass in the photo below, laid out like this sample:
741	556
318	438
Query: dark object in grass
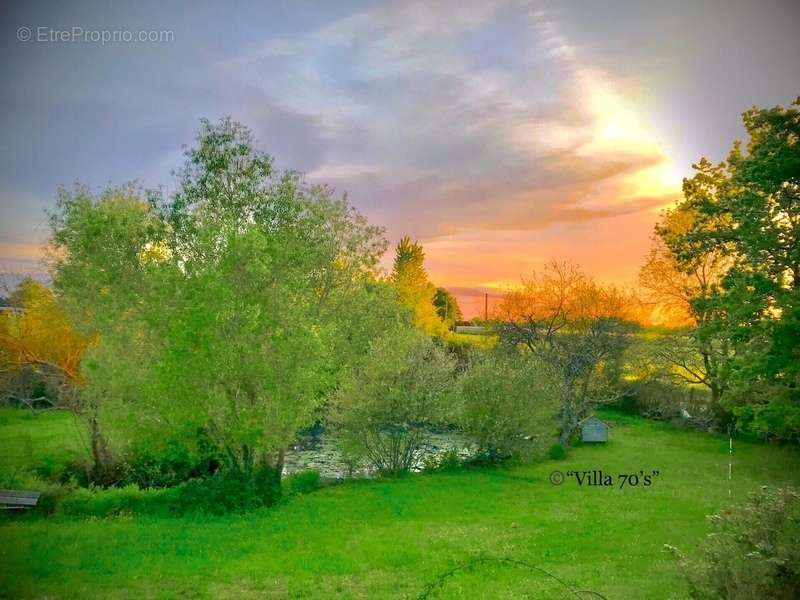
557	452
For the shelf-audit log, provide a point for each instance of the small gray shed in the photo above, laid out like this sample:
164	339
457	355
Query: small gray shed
594	430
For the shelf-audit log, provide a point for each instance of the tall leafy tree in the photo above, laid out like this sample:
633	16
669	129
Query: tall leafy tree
414	289
682	286
748	207
106	278
577	327
230	307
447	306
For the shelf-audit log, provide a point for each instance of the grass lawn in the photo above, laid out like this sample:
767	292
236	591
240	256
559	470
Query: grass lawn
389	539
40	439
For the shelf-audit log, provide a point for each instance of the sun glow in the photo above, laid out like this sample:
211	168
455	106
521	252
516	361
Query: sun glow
618	125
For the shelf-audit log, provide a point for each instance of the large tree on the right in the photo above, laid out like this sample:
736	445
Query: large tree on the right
748	207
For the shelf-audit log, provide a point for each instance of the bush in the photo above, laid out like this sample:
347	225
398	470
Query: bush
169	466
446	461
557	452
303	482
661	401
220	494
385	405
507	404
754	551
231	492
130	499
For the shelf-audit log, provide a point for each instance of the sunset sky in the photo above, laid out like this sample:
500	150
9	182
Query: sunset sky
499	134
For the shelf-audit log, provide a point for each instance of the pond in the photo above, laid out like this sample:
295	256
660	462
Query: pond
322	453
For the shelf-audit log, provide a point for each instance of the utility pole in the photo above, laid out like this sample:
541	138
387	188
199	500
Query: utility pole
486	306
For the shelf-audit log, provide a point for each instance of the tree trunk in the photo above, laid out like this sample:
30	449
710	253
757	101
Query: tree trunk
567	416
101	455
279	462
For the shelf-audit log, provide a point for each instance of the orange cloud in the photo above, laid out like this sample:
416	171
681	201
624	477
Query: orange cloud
21	251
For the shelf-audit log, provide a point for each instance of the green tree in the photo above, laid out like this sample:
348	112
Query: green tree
683	287
231	307
386	403
103	282
508	404
447	306
575	326
748	208
413	287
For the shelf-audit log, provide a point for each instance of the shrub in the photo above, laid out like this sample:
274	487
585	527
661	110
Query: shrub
231	492
446	461
217	495
385	405
487	457
557	452
508	404
304	482
169	465
754	551
114	501
654	399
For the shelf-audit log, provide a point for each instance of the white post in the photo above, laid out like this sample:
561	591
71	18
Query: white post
730	460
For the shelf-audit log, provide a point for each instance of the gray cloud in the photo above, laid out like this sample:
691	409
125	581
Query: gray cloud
435	117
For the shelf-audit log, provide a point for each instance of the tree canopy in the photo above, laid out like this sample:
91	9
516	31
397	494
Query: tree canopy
230	307
746	218
414	288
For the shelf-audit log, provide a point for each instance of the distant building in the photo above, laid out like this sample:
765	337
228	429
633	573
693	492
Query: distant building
472	329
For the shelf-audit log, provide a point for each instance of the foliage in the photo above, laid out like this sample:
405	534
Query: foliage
745	210
446	461
127	500
447	307
230	307
577	327
40	351
507	404
169	464
220	494
414	289
673	285
386	402
679	404
104	287
231	491
753	551
557	452
686	287
666	377
303	482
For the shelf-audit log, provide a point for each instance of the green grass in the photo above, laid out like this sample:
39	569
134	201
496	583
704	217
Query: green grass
389	539
39	440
